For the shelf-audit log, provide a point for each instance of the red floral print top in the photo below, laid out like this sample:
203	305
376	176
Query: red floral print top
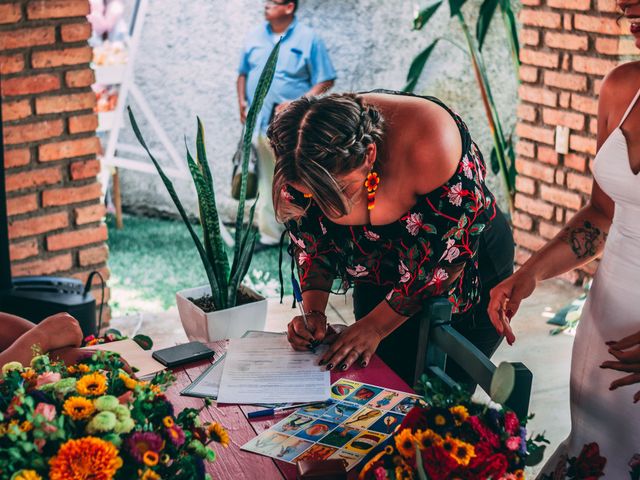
429	251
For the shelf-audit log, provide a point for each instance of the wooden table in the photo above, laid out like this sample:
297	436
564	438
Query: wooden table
232	463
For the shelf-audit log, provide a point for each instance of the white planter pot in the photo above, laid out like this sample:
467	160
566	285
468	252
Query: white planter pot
219	325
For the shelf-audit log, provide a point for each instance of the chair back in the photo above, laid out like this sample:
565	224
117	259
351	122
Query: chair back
439	341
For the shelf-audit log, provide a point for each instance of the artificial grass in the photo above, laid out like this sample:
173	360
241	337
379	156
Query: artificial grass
150	259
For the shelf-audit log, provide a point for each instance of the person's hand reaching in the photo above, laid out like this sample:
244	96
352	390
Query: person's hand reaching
505	301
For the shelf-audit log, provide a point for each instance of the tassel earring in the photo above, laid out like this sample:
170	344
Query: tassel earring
371	184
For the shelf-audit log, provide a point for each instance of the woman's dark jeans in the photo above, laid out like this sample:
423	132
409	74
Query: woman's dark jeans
399	349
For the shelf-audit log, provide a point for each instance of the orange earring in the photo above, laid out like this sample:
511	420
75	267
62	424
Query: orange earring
371	184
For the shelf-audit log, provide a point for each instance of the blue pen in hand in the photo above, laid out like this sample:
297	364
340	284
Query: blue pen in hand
297	294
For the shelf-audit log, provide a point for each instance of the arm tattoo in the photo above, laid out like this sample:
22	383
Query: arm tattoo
584	241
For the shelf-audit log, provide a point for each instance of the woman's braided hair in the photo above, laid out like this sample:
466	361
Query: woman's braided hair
317	139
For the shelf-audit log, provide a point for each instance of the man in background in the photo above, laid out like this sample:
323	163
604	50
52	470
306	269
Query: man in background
304	68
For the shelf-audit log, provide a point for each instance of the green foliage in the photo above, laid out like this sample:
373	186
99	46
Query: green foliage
224	279
502	154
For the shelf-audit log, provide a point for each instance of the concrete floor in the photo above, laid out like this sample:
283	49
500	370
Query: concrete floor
548	357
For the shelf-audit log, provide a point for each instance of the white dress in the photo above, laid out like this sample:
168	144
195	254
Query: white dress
611	312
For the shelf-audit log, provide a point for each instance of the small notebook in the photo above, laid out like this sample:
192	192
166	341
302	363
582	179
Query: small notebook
135	356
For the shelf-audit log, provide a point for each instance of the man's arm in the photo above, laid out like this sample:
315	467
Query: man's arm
320	88
241	86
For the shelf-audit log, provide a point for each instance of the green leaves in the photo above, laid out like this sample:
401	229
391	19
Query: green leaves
417	66
487	9
423	16
455	6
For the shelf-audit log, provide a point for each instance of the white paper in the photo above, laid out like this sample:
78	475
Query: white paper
207	385
268	370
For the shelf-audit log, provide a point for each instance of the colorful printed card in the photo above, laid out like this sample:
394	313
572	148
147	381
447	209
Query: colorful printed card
356	419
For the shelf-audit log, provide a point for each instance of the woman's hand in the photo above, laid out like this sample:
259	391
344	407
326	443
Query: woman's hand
302	338
357	343
627	353
505	301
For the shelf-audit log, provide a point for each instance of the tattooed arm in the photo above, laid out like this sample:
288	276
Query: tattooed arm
579	242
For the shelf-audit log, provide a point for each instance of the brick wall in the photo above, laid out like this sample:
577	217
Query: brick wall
567	48
53	198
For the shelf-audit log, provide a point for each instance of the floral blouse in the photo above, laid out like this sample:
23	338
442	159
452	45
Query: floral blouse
429	251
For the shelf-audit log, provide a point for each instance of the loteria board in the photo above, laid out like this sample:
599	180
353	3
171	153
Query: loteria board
348	426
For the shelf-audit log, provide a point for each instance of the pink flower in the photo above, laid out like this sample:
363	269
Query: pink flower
297	241
358	271
176	434
381	473
455	194
369	235
39	443
140	442
513	443
126	397
439	276
47	377
414	223
304	258
404	271
452	252
511	423
466	168
47	410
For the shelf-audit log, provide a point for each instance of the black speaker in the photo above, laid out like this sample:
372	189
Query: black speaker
36	298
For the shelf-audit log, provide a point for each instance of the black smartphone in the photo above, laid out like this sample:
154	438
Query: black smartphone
184	353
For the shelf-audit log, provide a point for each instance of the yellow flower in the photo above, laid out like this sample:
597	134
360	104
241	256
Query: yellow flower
427	439
92	384
440	420
3	429
460	414
71	369
156	389
129	382
150	458
26	426
449	444
406	443
78	408
85	458
168	422
83	368
218	434
463	452
150	475
27	475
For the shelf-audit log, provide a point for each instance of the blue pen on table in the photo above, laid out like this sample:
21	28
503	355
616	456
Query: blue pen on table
297	294
272	411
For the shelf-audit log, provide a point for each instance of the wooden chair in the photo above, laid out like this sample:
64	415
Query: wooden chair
439	341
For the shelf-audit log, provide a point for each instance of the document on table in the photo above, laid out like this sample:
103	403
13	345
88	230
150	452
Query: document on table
268	370
135	356
207	384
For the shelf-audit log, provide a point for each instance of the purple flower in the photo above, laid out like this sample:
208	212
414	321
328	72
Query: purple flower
523	443
176	435
141	442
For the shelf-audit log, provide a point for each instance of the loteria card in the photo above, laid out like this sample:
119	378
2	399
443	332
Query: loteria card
356	419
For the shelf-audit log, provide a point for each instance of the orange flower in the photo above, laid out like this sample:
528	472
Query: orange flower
83	368
78	408
406	443
168	422
92	384
150	458
85	458
26	426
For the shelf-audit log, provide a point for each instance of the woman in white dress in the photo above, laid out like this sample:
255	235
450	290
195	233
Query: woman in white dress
604	408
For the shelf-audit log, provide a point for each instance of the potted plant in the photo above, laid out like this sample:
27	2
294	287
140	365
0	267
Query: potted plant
224	308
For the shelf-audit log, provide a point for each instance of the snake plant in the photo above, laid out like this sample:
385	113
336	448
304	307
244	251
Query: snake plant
224	277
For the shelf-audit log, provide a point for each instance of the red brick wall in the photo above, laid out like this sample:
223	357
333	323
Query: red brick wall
567	48
55	212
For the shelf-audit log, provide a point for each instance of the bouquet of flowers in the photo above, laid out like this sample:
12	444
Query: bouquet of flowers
451	436
92	420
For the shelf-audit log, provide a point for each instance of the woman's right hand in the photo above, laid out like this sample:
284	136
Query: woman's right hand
505	301
303	339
